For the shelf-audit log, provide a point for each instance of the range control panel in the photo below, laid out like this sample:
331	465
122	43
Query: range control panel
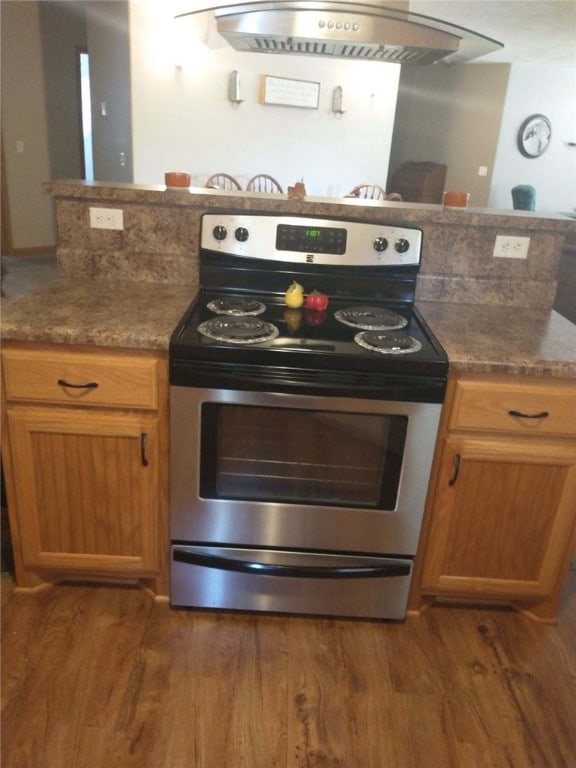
304	240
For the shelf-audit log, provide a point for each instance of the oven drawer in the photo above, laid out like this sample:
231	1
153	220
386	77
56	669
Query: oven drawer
77	378
499	405
283	581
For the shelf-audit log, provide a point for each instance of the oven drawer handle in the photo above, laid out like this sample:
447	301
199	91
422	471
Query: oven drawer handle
302	571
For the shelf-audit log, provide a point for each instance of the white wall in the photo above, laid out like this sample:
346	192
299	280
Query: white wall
182	119
549	91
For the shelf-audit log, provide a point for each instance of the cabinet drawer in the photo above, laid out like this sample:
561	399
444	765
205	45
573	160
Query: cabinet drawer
77	378
547	408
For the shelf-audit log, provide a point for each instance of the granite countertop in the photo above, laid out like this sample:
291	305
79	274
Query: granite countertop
106	313
478	338
482	338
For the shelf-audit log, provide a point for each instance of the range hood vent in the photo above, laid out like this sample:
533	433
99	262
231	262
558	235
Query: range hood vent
347	30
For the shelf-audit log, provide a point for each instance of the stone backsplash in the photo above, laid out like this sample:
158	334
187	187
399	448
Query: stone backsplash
159	242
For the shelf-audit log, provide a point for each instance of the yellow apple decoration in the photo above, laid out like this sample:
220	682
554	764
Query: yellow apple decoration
294	296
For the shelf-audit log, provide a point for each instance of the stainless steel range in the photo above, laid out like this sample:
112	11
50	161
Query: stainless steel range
301	437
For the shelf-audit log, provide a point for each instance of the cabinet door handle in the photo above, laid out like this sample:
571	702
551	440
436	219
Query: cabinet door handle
89	385
541	415
456	469
143	447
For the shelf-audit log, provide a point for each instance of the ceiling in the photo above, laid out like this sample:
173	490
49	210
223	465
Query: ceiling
533	31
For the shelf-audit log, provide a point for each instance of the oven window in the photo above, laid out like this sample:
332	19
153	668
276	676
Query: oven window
302	457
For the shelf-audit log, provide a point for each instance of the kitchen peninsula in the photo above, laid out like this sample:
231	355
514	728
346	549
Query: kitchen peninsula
119	295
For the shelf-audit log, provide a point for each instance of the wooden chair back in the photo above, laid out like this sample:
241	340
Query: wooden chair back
369	192
222	181
263	182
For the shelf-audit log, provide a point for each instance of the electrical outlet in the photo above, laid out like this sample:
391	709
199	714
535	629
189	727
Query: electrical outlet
107	218
507	247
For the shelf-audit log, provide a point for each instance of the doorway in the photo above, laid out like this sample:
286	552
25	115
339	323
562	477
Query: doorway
86	115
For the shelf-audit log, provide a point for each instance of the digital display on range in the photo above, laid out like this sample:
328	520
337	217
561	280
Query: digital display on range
293	237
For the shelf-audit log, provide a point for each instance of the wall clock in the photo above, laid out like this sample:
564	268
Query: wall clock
534	136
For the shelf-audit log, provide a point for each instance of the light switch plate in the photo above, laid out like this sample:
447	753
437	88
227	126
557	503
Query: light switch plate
507	247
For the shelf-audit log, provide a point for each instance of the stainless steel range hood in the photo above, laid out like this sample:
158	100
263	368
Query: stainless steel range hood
349	30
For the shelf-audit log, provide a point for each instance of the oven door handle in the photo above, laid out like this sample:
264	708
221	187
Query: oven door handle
293	570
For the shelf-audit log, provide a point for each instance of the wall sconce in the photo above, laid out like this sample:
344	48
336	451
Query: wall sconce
337	98
234	88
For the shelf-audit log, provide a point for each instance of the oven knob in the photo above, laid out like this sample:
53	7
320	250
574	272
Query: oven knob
380	244
402	245
242	234
220	232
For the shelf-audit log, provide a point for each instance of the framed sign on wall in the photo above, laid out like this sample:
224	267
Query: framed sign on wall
290	93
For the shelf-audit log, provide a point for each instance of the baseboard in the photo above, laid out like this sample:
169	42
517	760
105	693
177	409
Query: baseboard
37	250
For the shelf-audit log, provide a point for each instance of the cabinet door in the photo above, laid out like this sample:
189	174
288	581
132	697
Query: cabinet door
86	489
503	516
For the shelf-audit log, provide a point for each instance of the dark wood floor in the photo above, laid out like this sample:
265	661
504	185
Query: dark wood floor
103	677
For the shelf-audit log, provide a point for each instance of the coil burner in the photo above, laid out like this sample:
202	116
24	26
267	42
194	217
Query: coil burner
238	330
387	343
371	318
236	305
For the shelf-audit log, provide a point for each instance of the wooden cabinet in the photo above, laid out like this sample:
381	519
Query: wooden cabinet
85	456
501	518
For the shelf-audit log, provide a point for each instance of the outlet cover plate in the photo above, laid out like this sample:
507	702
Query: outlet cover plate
508	247
106	218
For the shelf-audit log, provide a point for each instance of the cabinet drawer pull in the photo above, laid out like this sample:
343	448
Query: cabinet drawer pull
456	469
143	447
541	415
89	385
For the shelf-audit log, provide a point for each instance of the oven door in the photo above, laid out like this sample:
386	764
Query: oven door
262	470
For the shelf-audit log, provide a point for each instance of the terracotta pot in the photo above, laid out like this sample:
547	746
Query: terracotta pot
455	199
177	179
